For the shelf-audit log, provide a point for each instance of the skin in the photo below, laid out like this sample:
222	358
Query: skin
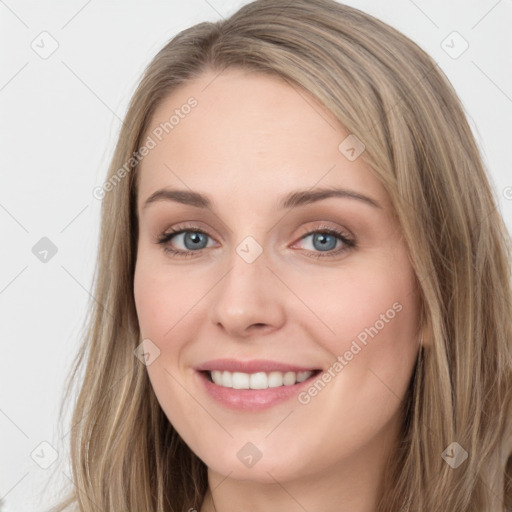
251	140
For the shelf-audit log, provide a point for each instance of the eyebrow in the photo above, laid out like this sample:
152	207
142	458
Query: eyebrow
292	200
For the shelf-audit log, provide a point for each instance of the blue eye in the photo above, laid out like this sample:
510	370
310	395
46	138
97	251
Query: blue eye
194	239
323	241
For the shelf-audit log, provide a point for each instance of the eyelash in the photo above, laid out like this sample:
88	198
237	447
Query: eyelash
167	237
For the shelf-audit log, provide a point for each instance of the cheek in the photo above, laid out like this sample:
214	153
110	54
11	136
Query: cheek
161	299
369	316
151	309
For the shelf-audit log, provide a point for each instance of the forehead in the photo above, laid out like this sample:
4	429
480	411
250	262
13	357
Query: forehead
248	134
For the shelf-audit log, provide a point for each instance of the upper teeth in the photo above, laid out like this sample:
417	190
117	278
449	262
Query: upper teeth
259	380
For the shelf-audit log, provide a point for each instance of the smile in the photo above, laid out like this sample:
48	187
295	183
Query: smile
252	385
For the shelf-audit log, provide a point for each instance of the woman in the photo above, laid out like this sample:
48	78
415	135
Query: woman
303	287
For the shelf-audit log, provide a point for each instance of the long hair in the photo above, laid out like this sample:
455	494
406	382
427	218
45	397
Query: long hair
384	89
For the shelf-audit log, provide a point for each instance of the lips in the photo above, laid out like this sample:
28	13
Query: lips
254	384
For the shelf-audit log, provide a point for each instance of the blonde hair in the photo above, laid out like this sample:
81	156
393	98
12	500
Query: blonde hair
390	94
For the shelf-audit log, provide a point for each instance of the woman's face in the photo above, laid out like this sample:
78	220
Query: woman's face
301	303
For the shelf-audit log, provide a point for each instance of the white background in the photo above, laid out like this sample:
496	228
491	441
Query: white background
60	118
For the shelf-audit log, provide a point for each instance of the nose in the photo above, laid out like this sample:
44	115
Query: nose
249	299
